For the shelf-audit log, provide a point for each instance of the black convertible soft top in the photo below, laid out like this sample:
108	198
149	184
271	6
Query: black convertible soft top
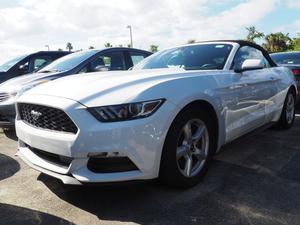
251	44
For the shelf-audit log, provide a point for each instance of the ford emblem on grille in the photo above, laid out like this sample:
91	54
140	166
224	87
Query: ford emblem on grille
35	115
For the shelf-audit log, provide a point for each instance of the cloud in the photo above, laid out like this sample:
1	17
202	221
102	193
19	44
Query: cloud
31	24
293	4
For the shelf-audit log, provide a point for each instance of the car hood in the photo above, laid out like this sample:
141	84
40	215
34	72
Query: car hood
112	87
16	84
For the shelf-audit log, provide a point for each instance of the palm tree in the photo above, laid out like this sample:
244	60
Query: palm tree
107	45
253	34
296	44
191	41
277	42
153	48
69	46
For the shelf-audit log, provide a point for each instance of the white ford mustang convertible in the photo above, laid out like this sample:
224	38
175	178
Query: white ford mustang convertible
165	118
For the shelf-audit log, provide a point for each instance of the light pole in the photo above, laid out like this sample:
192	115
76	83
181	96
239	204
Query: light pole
47	46
130	30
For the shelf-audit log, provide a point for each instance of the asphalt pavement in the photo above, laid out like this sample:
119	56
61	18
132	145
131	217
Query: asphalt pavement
255	180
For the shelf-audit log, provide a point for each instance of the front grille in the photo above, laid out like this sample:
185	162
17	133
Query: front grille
4	97
59	160
46	118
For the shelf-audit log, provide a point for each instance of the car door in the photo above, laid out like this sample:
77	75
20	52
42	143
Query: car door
254	91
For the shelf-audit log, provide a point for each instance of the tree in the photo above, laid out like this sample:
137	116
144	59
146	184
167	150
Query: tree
69	46
91	47
129	45
277	42
60	50
191	41
108	45
295	45
253	34
153	48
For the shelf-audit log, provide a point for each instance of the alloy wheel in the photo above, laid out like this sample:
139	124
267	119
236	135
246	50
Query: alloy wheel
290	109
192	147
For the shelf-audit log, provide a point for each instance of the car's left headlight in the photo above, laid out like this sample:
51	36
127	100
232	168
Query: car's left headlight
125	112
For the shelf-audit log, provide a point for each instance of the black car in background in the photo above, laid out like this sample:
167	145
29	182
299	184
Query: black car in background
82	62
28	63
290	60
109	59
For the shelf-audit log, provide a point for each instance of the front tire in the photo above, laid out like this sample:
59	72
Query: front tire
188	148
287	117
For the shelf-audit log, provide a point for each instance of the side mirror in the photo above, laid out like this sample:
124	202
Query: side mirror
23	68
101	68
250	64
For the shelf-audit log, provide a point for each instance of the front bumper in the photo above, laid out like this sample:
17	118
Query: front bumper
7	115
140	140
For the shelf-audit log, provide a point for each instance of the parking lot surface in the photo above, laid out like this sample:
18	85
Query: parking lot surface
255	180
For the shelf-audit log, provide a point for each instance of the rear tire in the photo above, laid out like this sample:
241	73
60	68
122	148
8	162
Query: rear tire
287	117
188	148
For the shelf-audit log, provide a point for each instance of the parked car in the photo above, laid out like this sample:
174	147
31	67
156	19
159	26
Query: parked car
290	60
28	63
76	63
166	118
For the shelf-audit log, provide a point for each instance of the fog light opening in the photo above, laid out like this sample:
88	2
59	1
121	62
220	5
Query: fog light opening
112	163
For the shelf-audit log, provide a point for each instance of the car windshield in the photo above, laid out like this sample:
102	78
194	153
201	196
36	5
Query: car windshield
6	66
68	62
193	57
286	58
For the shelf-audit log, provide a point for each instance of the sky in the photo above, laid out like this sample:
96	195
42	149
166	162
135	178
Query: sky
29	25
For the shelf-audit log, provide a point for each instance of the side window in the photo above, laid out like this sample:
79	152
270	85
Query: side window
105	62
136	57
248	52
39	62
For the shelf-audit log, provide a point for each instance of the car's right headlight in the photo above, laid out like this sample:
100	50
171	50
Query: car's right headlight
125	112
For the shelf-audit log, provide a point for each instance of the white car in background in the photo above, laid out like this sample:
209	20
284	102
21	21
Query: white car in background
166	118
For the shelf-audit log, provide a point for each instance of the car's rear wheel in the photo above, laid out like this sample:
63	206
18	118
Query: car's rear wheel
287	117
188	148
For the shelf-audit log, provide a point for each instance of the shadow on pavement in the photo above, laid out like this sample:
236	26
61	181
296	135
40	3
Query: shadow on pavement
8	167
229	194
15	215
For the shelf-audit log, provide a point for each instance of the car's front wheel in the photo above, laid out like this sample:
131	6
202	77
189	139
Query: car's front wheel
188	148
